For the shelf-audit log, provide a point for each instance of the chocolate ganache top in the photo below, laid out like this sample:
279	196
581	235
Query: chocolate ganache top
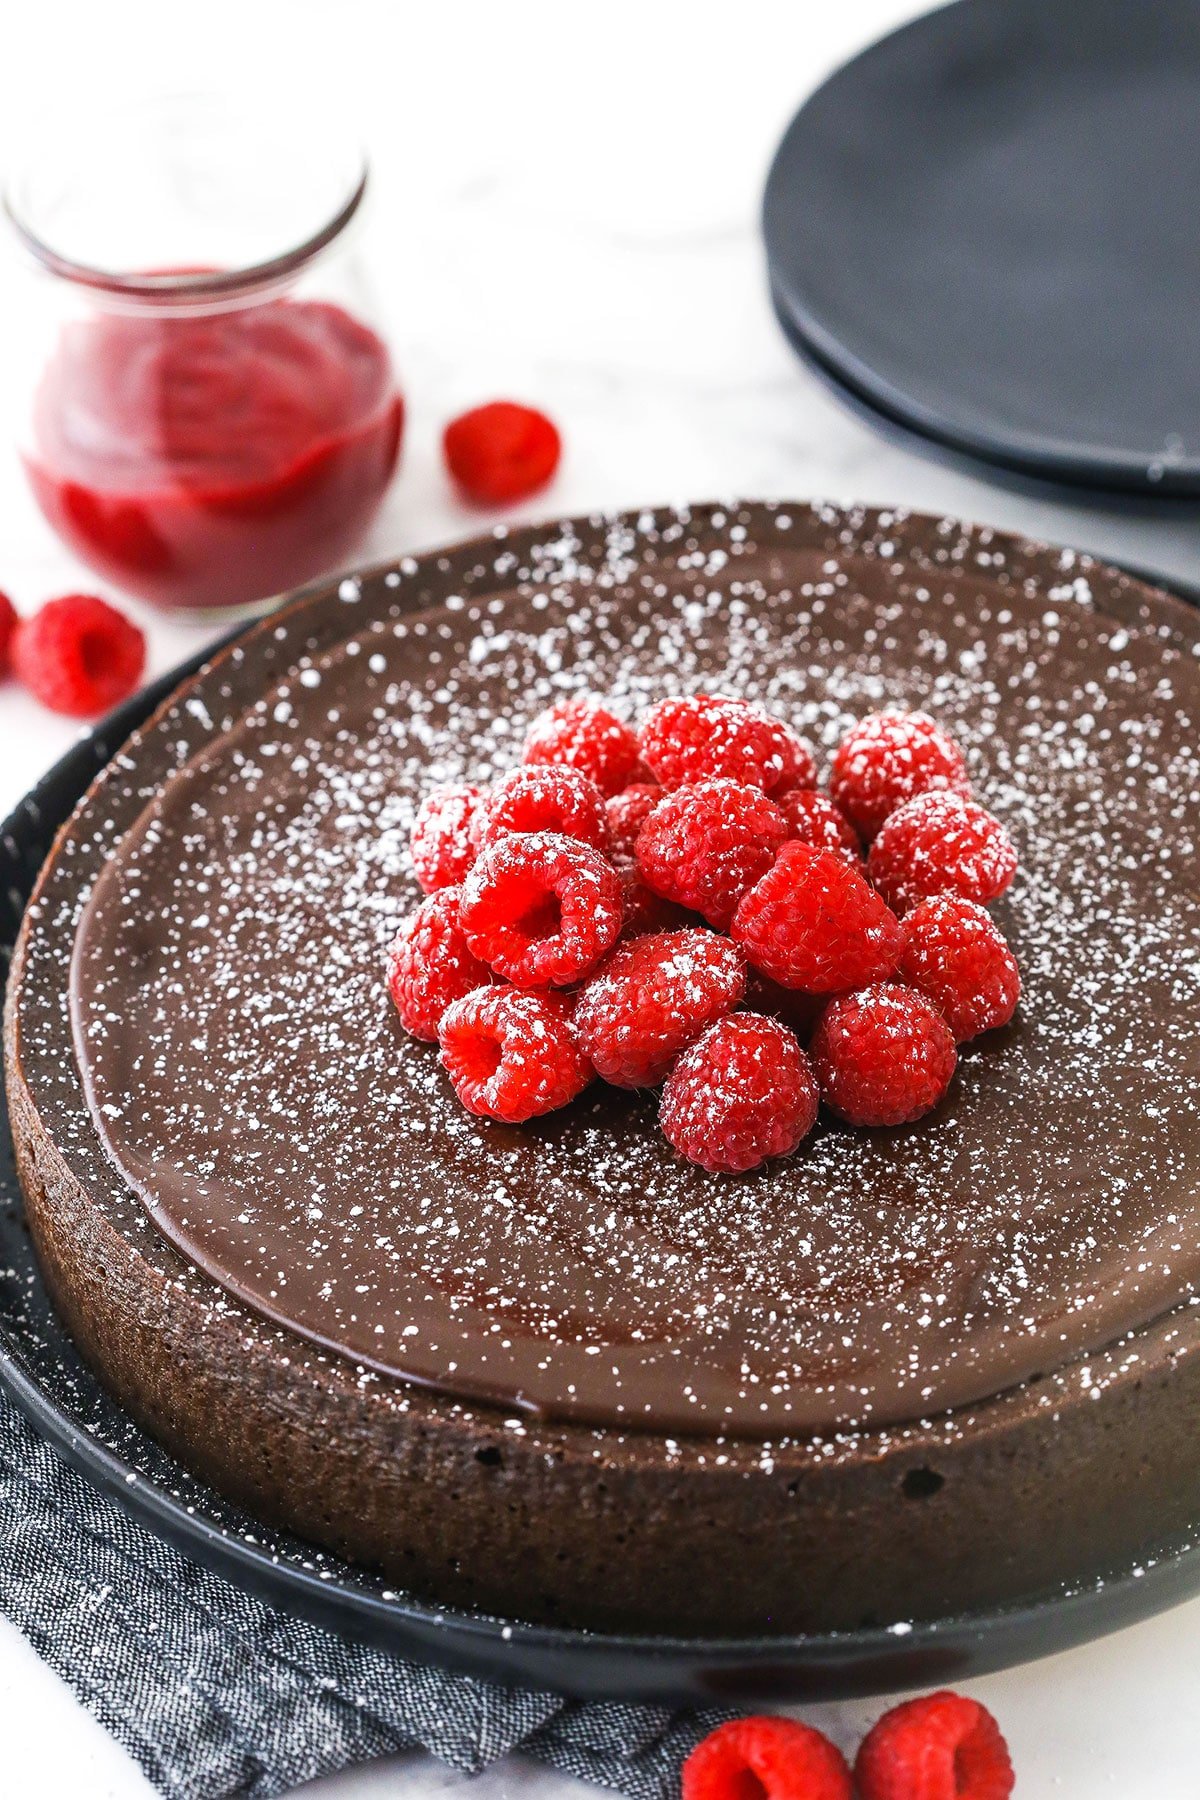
246	1074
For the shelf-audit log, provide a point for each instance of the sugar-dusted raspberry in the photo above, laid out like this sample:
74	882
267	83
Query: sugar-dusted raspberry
444	833
766	1759
941	1747
687	739
652	998
941	843
8	624
545	797
431	964
501	451
814	819
955	955
798	1011
883	1056
887	758
705	843
743	1092
78	655
814	922
512	1055
646	911
541	909
584	735
628	812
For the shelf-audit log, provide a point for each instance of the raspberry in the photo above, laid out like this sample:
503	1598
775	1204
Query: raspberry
8	624
652	998
628	812
541	909
941	1747
512	1055
799	1012
443	835
430	964
815	820
742	1093
956	957
706	843
883	1056
766	1759
941	843
813	922
646	911
707	734
887	758
545	797
78	655
584	735
501	451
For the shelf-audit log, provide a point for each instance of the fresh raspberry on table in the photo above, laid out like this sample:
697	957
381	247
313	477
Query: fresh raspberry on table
652	998
688	738
883	1056
8	624
743	1092
78	655
941	1747
766	1759
646	911
584	735
705	843
814	819
542	909
545	797
444	835
431	964
886	759
815	923
956	956
501	452
941	843
628	812
512	1055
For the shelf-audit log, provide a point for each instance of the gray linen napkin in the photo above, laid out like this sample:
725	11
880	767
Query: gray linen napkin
218	1695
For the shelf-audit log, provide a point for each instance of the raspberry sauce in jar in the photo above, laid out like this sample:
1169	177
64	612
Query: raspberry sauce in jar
207	433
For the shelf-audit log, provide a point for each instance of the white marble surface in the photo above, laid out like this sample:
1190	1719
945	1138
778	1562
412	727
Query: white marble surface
566	210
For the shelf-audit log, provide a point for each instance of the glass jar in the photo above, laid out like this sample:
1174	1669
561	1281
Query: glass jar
210	415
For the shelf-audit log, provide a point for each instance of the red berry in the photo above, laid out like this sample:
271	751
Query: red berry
766	1759
646	911
883	1056
8	624
799	1012
430	964
706	843
512	1055
628	812
545	797
814	922
687	739
955	955
887	758
585	736
742	1093
942	1747
78	655
501	451
815	820
941	843
444	834
542	909
652	998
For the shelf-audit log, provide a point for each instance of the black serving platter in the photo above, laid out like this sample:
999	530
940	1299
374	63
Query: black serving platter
48	1380
985	226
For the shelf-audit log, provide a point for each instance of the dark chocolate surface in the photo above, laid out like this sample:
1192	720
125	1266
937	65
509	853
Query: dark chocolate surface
246	1075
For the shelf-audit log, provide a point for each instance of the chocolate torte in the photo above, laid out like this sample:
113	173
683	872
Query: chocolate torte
552	1370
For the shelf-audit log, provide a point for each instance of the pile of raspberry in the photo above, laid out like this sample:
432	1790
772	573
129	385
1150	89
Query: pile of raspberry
680	905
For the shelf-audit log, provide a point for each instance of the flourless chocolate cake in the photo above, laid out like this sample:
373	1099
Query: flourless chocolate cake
551	1369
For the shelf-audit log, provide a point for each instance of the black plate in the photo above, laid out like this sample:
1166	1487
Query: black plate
986	224
49	1381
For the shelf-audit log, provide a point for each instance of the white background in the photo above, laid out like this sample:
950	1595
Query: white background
566	205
